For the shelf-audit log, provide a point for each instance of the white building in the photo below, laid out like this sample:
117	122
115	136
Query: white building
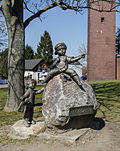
35	69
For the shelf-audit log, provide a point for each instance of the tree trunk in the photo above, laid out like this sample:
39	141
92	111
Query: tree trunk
15	67
13	13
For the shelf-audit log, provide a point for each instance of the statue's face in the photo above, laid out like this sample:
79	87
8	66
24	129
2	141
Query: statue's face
32	85
61	51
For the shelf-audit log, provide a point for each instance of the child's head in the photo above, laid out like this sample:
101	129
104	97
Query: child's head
32	84
59	47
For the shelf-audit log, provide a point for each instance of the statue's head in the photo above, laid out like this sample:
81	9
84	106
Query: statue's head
60	46
31	84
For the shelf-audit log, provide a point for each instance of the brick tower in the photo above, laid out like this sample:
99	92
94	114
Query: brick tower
101	45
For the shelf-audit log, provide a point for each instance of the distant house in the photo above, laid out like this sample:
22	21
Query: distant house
35	69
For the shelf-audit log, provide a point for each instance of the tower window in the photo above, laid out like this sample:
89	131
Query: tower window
102	19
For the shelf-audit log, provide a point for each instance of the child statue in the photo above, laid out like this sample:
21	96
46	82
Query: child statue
61	63
28	100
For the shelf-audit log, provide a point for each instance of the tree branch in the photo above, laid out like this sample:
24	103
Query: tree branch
78	8
28	8
59	3
1	8
27	21
84	4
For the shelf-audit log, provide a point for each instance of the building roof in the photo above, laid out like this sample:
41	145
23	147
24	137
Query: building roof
32	63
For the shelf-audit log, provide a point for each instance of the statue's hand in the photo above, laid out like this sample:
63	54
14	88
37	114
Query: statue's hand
21	98
21	107
83	55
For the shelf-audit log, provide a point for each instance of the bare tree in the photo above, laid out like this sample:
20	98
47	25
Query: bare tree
81	65
83	50
13	14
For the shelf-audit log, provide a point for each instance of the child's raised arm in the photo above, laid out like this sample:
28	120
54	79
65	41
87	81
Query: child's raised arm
74	59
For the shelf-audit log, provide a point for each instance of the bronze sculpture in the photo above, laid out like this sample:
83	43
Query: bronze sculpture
70	104
28	101
61	63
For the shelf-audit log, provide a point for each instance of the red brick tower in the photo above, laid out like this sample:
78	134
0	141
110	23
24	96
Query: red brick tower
101	45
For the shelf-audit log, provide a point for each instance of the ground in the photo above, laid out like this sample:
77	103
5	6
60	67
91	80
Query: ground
106	139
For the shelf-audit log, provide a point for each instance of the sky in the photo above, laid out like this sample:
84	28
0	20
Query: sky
63	26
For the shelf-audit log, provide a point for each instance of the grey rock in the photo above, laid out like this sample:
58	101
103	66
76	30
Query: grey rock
68	137
65	104
20	131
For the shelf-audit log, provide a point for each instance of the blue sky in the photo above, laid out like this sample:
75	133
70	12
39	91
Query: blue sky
63	26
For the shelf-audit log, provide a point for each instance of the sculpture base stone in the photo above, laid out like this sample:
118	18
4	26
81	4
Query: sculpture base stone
66	105
69	137
19	131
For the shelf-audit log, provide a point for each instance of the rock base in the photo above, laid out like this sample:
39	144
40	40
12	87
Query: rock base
65	104
19	131
70	137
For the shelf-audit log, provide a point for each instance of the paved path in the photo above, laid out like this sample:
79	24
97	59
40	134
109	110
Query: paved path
3	85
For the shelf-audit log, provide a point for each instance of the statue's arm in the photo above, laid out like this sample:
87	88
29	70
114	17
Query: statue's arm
25	95
56	60
23	101
40	91
74	59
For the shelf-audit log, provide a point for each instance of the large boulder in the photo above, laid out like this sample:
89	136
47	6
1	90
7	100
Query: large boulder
66	105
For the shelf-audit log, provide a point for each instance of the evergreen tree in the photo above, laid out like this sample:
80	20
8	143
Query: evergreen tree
118	41
45	49
29	53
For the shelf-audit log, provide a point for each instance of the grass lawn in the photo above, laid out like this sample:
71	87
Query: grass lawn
108	98
107	94
8	118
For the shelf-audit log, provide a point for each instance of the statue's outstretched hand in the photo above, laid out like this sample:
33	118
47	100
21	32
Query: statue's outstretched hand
21	98
39	91
83	55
